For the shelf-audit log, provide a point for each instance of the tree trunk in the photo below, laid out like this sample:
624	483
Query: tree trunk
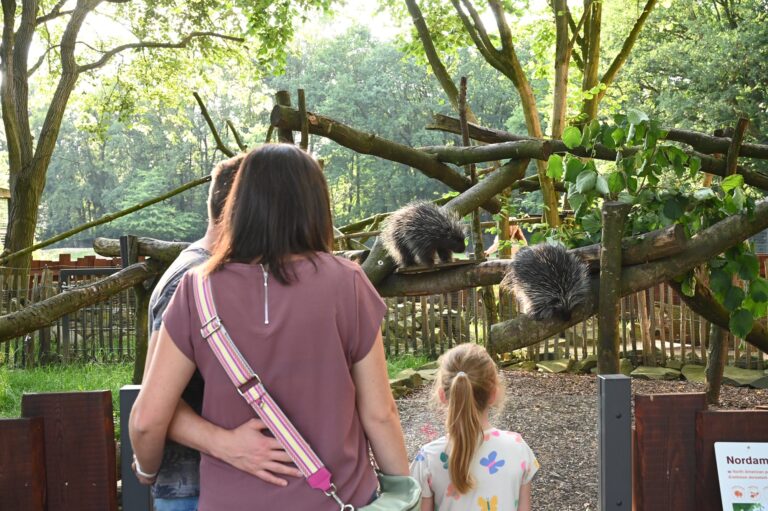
614	217
592	28
717	356
562	60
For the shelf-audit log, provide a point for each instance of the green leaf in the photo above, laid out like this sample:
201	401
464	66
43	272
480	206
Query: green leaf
733	298
749	266
695	164
571	137
741	323
576	200
573	168
601	185
738	199
758	290
673	209
720	281
555	167
731	182
586	181
635	117
592	223
619	136
615	182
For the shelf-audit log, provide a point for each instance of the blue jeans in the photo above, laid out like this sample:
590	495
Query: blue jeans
187	504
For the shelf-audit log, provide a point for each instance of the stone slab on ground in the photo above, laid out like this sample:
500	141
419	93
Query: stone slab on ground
586	364
674	364
429	365
427	374
555	366
655	373
741	377
695	373
625	367
527	365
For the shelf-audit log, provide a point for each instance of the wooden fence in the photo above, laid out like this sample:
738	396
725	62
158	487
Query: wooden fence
654	320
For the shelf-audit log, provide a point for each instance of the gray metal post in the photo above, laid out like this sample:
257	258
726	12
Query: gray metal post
615	442
136	496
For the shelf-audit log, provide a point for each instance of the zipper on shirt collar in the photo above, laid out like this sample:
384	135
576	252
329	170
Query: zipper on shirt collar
266	295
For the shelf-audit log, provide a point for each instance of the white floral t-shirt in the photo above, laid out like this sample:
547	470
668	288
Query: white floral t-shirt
502	465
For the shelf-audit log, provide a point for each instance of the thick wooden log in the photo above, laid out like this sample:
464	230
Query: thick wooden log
608	338
533	149
650	246
367	143
44	313
709	164
165	251
379	264
640	249
717	356
700	142
524	331
285	133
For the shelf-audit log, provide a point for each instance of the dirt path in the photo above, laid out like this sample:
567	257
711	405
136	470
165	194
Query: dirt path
557	416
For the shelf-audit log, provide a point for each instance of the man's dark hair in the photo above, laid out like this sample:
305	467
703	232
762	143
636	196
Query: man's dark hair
278	207
222	177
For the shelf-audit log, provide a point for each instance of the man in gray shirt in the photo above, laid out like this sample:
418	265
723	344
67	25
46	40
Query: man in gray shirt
176	486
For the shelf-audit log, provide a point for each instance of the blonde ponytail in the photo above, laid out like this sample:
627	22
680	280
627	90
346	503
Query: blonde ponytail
465	428
467	378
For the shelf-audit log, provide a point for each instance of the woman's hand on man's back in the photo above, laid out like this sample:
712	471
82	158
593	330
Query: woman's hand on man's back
248	449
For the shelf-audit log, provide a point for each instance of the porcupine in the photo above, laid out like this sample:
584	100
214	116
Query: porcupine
548	281
418	231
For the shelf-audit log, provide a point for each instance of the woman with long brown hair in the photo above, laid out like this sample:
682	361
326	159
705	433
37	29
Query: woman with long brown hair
307	322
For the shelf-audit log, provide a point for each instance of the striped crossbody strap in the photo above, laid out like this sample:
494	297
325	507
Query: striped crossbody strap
251	388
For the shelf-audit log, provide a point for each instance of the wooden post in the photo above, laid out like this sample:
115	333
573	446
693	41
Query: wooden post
614	216
129	249
304	144
718	349
285	135
649	354
717	356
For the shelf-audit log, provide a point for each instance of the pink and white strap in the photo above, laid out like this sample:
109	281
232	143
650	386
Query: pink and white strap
250	387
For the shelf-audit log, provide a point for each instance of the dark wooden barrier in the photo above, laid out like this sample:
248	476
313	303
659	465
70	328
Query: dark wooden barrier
665	443
79	449
22	465
722	426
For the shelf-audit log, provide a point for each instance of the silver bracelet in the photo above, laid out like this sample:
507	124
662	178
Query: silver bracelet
140	472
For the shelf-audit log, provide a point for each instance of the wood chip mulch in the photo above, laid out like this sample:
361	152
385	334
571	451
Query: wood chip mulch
557	416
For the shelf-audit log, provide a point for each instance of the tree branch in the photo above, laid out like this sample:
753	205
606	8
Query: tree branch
238	140
368	143
154	44
704	304
524	331
626	48
490	53
40	61
54	13
219	143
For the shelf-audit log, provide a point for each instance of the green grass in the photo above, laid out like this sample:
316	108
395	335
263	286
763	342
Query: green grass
15	382
407	361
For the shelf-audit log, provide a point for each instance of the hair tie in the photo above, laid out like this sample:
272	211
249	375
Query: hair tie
460	373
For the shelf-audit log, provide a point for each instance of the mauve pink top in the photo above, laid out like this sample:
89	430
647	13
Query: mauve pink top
319	326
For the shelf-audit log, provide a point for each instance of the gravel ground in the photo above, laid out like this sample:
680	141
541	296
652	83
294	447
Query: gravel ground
557	416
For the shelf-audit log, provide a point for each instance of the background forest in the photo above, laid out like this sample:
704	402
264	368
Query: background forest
129	134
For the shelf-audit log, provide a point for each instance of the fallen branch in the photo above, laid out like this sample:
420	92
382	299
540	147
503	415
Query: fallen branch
219	143
538	149
42	314
286	118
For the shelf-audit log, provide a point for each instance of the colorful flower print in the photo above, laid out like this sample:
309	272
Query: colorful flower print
491	504
420	456
444	459
492	463
451	493
488	435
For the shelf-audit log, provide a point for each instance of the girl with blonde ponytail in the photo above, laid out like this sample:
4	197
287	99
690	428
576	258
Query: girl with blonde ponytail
475	466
